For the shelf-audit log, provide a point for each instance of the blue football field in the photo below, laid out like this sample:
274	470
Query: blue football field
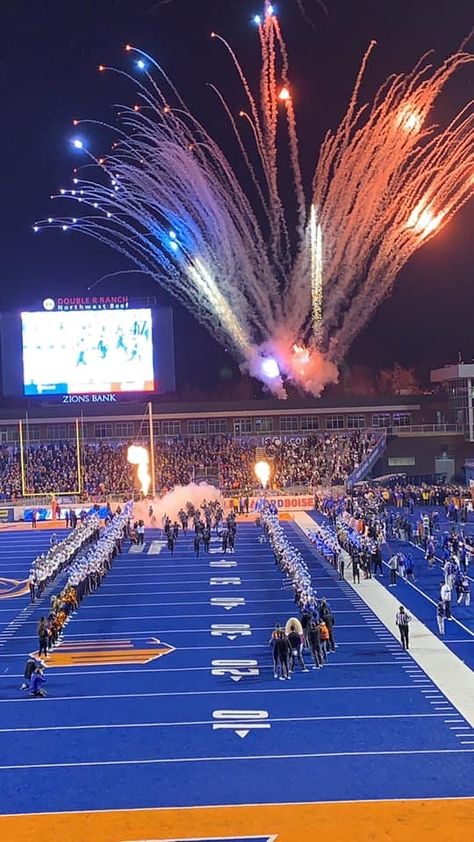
162	695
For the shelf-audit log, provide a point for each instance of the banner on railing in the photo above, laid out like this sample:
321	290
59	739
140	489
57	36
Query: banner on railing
283	502
7	514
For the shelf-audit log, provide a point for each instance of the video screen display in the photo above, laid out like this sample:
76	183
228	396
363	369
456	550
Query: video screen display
87	352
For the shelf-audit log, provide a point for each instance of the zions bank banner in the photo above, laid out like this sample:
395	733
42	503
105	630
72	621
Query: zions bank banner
7	514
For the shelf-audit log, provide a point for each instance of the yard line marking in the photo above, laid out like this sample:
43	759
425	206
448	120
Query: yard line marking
211	721
162	617
216	692
59	671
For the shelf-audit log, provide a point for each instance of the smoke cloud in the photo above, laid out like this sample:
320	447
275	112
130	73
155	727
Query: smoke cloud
173	501
307	368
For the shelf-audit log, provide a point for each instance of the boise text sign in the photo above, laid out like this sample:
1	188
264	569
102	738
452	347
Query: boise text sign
283	503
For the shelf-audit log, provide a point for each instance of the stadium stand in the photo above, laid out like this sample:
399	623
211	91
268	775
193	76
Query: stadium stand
304	462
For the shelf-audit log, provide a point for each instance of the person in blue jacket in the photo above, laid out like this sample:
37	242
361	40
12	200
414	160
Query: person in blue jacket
36	682
31	665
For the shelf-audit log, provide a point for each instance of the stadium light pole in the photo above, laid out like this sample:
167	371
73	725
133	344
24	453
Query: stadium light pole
152	448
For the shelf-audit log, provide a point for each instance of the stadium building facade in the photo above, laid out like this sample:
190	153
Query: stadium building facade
423	435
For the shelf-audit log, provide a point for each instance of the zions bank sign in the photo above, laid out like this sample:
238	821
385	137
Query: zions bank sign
109	397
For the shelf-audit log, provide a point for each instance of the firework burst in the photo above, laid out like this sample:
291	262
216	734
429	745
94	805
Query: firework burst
288	300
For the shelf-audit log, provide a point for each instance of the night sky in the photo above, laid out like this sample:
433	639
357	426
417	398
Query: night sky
48	76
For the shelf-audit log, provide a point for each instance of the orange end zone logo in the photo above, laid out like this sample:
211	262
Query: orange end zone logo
94	653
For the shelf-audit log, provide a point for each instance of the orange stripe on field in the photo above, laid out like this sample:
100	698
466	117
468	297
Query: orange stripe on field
379	821
72	658
99	644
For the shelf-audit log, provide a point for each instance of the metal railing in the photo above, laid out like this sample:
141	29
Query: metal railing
425	429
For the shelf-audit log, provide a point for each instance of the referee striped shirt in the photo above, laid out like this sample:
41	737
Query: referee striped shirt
402	618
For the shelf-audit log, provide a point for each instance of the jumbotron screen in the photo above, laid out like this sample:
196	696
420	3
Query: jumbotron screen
87	352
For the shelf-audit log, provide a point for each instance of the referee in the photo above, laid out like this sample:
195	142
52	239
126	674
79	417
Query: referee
402	620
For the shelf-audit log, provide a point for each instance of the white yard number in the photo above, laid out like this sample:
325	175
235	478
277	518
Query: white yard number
230	630
225	580
227	602
240	721
223	563
237	669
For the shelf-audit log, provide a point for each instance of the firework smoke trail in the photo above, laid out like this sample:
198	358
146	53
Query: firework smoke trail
288	303
316	257
286	97
386	182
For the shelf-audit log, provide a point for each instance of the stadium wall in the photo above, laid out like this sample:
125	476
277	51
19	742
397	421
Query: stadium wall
259	419
418	455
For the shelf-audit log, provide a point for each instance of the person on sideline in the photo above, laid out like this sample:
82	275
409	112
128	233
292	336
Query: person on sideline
281	650
446	594
37	679
314	640
32	664
356	569
296	650
440	612
42	637
402	620
393	566
465	592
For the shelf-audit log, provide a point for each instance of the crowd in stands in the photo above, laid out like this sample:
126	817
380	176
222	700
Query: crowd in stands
182	461
451	496
323	458
53	467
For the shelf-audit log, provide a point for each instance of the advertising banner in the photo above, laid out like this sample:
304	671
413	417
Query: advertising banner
283	503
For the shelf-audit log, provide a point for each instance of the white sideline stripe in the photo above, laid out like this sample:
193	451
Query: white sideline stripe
429	599
219	807
212	721
446	670
216	692
234	758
